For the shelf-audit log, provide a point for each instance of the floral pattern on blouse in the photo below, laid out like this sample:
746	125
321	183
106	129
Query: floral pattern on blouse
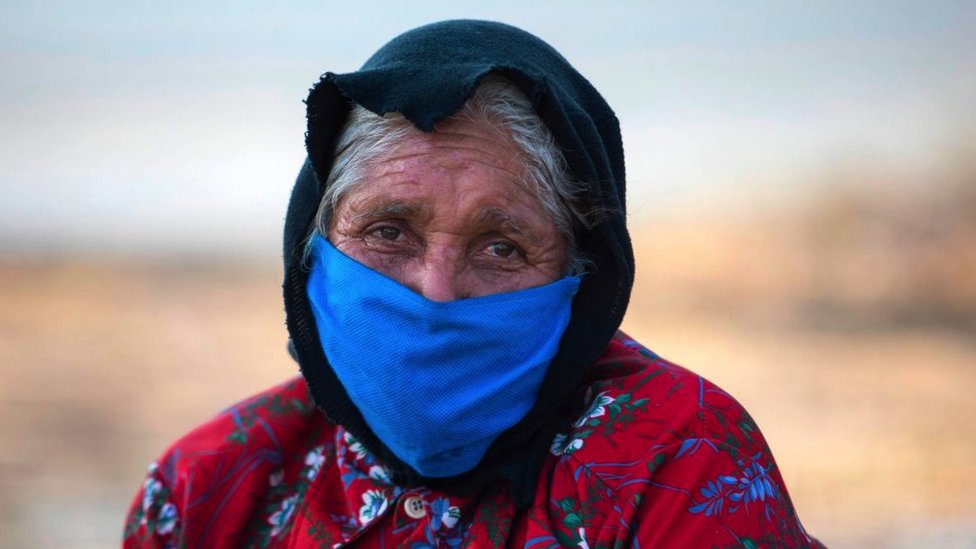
659	457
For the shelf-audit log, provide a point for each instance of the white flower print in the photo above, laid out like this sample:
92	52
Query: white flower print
560	445
279	519
354	445
379	473
314	460
597	409
451	516
167	519
150	489
582	542
374	504
275	478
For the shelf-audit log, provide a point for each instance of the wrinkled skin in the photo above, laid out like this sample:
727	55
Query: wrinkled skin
443	214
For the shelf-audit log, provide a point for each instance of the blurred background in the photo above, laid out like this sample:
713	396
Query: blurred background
802	198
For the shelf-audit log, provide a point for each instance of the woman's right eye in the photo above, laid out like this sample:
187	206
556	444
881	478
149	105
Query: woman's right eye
387	232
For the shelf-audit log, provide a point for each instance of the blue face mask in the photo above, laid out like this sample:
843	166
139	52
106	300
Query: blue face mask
437	382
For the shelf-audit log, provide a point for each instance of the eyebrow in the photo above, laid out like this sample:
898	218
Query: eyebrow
500	217
376	209
369	210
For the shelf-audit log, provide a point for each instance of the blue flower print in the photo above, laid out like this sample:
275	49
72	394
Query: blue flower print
714	493
444	514
755	484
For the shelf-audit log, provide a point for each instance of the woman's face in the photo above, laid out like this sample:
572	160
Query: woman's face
444	215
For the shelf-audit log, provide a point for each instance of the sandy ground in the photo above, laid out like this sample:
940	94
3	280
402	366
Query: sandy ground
102	364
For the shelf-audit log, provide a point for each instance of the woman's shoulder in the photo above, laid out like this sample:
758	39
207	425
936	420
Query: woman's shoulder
275	417
671	456
235	452
632	394
642	408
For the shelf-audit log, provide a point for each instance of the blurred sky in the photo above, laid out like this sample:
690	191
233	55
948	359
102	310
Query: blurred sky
177	127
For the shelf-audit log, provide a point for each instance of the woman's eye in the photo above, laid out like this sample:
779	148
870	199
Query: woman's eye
501	249
387	232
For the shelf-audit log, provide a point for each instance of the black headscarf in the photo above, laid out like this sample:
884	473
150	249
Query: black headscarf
427	74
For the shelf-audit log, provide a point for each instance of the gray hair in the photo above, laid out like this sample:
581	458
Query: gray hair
498	105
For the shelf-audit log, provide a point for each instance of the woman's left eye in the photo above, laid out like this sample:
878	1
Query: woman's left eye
501	249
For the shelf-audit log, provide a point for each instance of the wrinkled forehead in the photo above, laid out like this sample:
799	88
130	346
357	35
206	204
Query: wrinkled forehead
462	163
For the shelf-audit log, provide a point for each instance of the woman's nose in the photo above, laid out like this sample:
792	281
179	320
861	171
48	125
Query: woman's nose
436	278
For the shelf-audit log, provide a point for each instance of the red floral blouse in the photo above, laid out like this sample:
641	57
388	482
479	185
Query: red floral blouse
660	458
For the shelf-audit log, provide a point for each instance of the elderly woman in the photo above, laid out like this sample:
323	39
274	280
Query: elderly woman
456	268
